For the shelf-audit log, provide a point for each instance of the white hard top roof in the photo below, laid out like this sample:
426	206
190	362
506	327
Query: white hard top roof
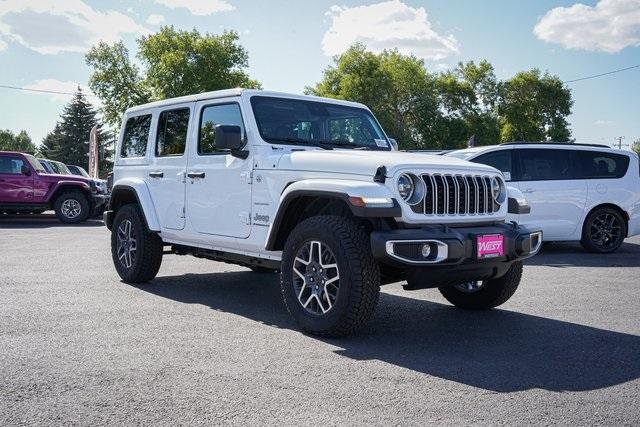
227	93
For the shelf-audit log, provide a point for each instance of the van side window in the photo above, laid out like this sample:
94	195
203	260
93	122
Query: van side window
221	114
172	132
500	160
547	165
599	165
136	134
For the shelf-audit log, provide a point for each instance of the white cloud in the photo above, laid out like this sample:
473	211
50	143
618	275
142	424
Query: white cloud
199	7
3	45
50	86
54	26
386	25
155	19
609	26
602	122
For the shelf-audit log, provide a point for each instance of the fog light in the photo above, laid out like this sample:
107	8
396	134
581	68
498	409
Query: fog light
426	250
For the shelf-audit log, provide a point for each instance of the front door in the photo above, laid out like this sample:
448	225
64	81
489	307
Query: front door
218	184
15	187
167	168
548	178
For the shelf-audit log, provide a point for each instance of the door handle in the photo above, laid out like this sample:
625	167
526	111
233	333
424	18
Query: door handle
156	174
529	190
195	174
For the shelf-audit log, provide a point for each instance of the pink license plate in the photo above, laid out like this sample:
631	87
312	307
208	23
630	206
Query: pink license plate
490	245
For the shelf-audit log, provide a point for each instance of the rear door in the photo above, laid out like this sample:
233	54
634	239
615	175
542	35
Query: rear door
15	187
168	164
218	184
550	181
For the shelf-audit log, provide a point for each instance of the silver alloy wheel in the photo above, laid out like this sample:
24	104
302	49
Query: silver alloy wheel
71	208
127	244
316	278
470	286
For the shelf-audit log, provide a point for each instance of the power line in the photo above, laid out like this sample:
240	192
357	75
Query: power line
603	74
41	90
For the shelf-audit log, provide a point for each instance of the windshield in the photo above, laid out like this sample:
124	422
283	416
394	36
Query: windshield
35	164
77	170
46	165
302	122
60	168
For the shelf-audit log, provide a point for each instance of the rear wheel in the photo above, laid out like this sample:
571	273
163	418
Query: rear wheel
479	295
136	252
604	231
329	280
71	207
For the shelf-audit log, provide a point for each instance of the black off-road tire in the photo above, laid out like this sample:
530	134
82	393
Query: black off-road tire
359	285
74	195
148	257
493	292
586	240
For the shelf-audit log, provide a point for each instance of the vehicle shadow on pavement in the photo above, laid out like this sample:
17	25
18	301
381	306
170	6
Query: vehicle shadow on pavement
42	221
497	350
562	255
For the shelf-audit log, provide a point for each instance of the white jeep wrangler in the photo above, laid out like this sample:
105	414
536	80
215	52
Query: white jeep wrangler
314	189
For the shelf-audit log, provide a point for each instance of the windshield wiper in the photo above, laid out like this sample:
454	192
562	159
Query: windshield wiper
346	143
320	144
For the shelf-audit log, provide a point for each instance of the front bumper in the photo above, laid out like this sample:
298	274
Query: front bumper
453	255
99	201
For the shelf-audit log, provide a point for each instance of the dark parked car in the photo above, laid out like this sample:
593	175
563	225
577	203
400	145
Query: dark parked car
25	186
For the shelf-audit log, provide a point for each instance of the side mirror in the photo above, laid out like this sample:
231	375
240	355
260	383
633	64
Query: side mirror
507	176
394	144
228	137
25	170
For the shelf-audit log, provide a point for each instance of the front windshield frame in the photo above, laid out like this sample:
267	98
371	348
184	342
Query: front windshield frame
378	140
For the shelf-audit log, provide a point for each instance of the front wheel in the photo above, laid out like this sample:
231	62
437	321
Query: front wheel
71	207
329	280
604	231
136	252
481	295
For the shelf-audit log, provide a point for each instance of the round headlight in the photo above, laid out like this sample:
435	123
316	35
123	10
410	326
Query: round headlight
405	186
498	190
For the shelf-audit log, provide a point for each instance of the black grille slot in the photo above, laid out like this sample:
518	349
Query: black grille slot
428	200
462	195
440	194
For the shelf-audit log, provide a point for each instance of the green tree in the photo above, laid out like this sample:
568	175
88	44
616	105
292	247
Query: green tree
534	107
174	63
469	97
635	146
396	87
68	142
20	142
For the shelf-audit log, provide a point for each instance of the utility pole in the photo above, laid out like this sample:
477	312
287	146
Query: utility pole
619	138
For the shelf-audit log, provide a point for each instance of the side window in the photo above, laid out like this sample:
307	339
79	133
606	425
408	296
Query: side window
11	165
501	160
136	134
599	165
222	114
546	165
172	132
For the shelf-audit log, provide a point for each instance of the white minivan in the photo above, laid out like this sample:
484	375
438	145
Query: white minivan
584	192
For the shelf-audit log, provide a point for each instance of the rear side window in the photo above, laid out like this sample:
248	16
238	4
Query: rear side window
602	165
136	134
501	160
221	114
172	132
11	165
547	164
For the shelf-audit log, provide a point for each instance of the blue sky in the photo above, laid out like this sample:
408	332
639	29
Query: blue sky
42	44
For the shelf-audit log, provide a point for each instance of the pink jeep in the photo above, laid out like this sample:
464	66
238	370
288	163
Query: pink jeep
25	187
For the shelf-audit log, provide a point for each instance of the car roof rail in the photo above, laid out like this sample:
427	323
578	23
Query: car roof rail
578	144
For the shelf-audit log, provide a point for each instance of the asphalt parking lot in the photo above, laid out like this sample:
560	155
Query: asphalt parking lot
212	343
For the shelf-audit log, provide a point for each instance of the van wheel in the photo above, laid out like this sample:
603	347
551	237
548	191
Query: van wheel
136	252
71	207
604	231
481	295
329	280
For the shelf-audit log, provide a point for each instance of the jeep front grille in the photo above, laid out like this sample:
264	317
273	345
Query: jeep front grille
456	195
